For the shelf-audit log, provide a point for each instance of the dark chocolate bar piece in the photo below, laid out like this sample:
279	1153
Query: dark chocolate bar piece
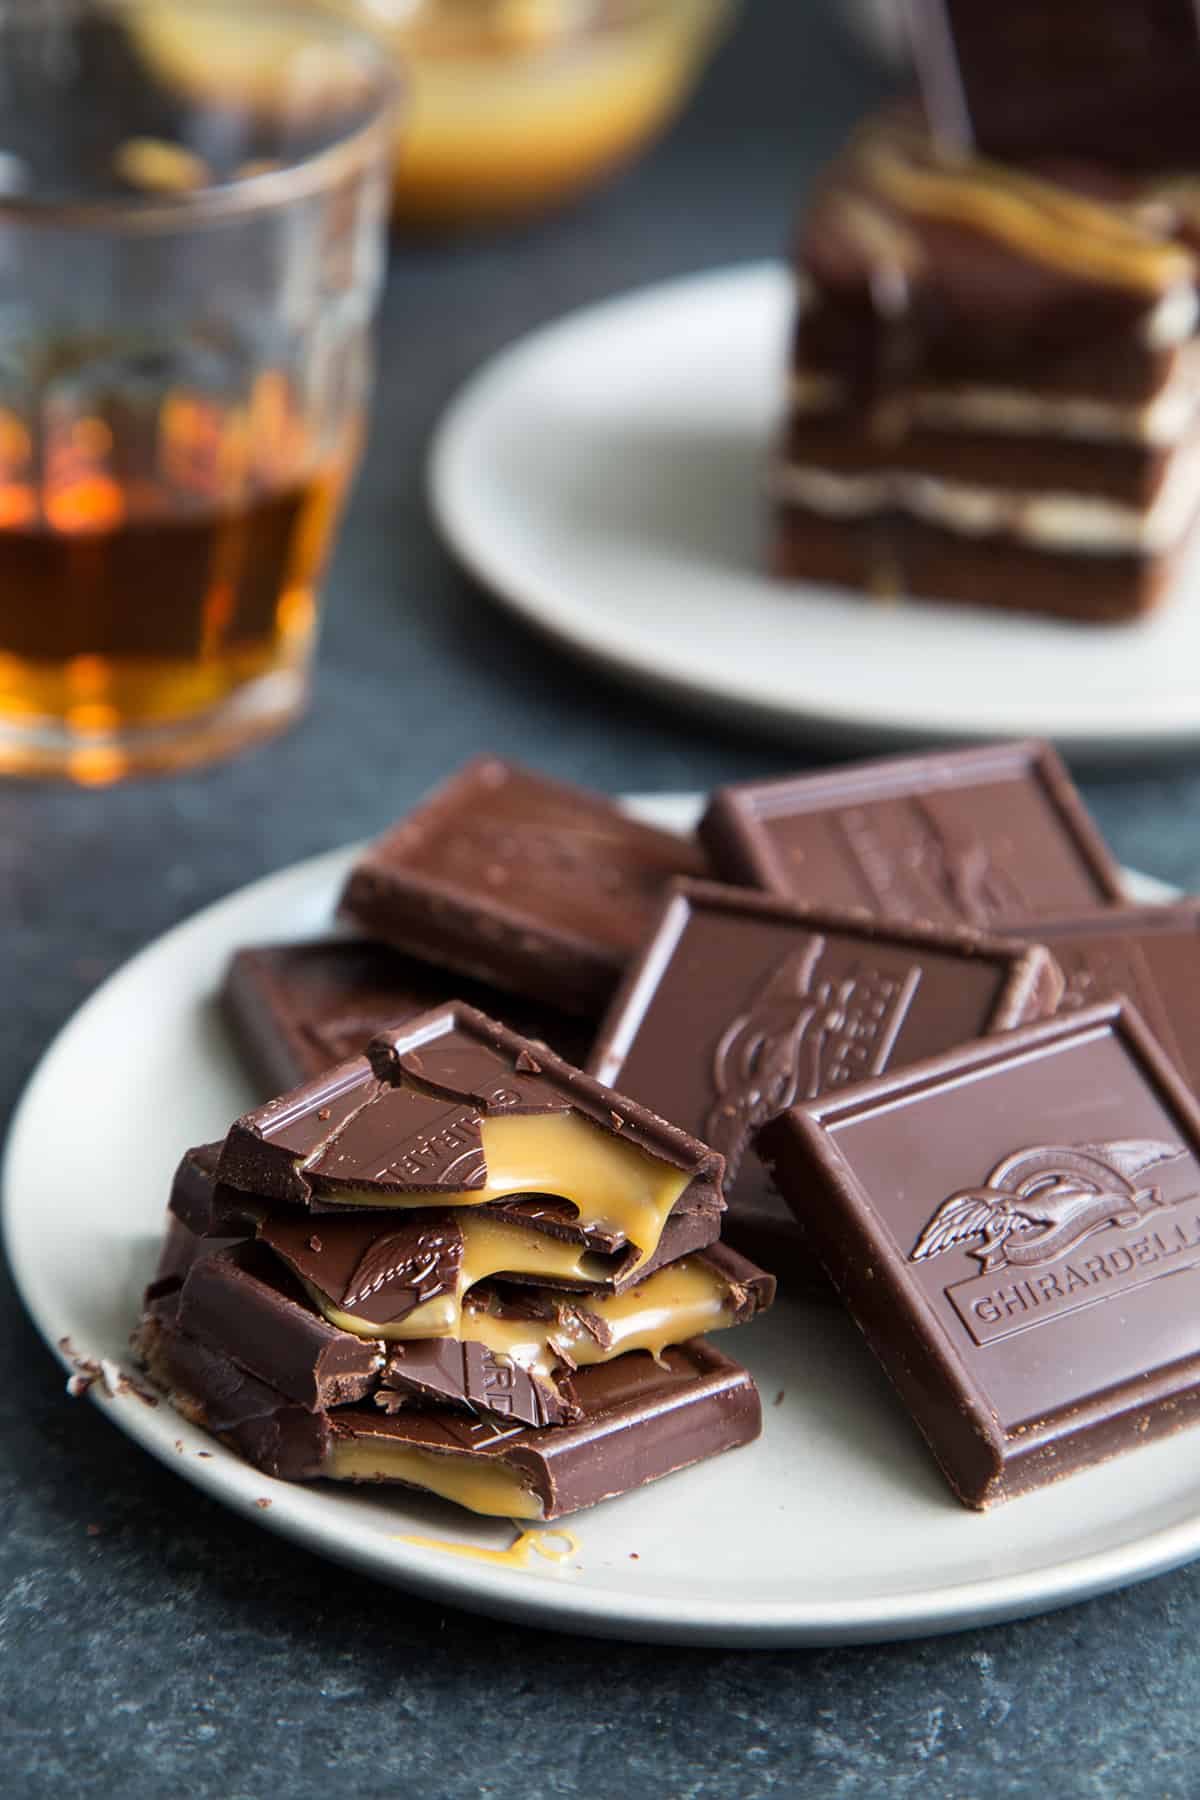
741	1004
244	1303
215	1393
1116	81
640	1419
990	838
279	1311
455	1109
298	1009
1016	1228
508	877
204	1205
1151	954
206	1216
180	1249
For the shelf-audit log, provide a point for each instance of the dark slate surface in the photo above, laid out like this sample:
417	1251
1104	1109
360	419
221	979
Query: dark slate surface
179	1651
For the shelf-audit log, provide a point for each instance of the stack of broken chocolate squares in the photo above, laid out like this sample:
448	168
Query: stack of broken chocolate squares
449	1258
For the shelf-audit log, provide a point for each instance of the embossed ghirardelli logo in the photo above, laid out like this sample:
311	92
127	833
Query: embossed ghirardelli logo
1031	1216
417	1266
936	869
806	1031
1038	1204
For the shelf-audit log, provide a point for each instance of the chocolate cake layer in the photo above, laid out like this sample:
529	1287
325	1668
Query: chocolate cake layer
538	887
888	558
919	265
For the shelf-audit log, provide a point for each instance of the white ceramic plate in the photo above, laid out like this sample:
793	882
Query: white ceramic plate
604	478
834	1526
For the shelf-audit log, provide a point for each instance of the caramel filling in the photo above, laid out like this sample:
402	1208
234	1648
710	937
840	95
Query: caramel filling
684	1300
681	1301
1037	219
480	1486
613	1185
489	1248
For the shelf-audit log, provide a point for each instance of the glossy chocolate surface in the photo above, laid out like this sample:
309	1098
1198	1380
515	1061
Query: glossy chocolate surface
741	1004
989	838
298	1009
543	889
1016	1228
406	1120
639	1419
1149	953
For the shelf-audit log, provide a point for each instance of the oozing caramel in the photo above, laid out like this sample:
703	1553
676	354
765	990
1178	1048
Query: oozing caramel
482	1487
489	1248
613	1185
684	1300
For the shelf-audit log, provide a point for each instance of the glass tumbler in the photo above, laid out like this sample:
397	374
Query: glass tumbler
192	206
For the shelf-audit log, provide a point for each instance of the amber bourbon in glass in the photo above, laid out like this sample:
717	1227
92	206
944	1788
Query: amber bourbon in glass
191	215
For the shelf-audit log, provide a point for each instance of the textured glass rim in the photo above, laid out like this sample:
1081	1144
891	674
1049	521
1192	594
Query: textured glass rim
273	188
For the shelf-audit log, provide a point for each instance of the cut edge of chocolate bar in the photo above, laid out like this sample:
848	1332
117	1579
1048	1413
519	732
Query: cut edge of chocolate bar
733	831
985	1466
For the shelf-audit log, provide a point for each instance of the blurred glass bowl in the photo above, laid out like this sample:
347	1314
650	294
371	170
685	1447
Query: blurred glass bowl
514	105
510	105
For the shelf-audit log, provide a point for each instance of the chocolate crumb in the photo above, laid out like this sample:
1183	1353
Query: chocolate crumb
778	1400
527	1065
263	1504
179	1445
206	1454
326	1112
618	1121
314	1244
634	1557
94	1530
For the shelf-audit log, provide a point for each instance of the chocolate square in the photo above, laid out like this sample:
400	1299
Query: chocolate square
741	1004
1151	954
1016	1228
542	888
988	838
297	1009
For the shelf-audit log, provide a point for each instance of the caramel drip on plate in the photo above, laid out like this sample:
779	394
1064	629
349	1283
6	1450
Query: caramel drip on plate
519	1554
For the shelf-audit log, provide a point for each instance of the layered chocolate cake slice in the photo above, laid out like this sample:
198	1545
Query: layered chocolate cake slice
995	391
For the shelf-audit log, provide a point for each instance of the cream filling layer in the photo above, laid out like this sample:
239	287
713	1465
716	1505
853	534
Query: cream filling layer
1082	523
481	1486
1166	419
614	1185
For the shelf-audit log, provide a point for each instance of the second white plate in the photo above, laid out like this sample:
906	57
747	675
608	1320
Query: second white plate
605	479
834	1526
